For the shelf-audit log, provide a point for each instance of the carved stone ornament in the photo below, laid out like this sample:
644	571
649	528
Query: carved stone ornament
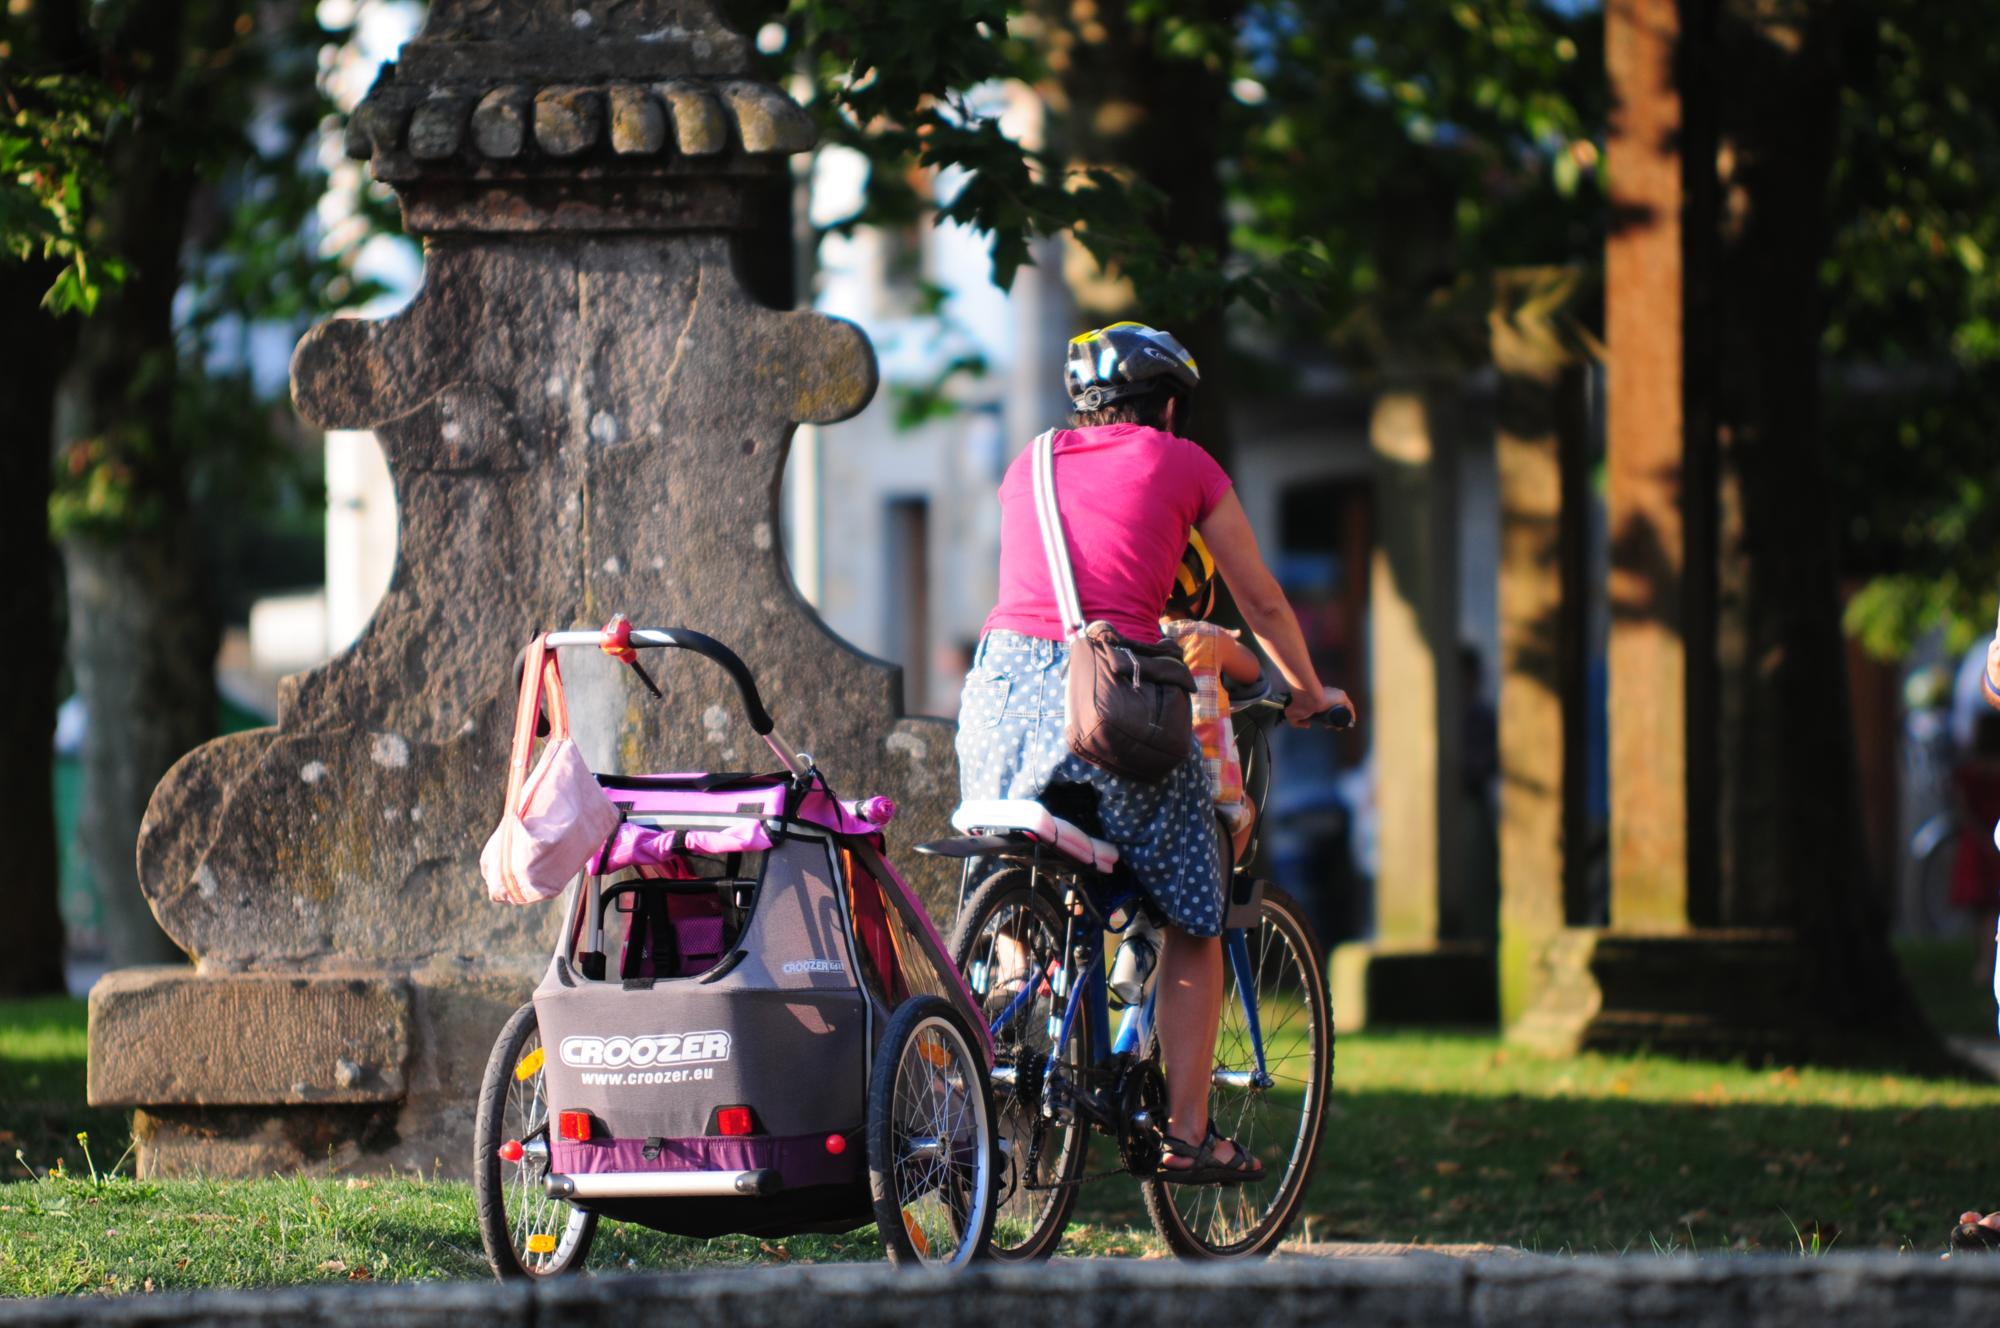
584	414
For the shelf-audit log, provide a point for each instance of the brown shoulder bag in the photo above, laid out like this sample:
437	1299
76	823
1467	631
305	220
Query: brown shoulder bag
1130	704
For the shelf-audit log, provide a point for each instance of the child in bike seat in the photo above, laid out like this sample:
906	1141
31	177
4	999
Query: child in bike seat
1214	656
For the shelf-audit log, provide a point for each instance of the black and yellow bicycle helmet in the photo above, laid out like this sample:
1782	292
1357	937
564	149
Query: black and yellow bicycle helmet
1125	360
1194	580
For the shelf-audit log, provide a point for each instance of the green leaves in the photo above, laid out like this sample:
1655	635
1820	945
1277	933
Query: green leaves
49	165
186	139
1411	148
1913	295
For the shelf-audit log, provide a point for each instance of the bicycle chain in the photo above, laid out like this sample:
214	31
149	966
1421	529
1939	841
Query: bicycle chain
1035	1157
1082	1180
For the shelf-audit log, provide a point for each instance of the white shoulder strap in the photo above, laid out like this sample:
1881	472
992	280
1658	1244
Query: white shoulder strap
1054	546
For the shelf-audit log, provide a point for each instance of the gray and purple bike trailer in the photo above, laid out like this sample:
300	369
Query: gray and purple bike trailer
749	1024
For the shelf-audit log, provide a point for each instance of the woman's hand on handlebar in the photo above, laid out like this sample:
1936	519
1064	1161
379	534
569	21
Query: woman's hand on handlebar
1304	707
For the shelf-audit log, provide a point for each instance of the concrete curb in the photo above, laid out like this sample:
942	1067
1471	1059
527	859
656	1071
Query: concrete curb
1866	1291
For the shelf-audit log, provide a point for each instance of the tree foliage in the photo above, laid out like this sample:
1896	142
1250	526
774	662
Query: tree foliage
1409	150
908	83
1912	283
1379	156
239	110
49	169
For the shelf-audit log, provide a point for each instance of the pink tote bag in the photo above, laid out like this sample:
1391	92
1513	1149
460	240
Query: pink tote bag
557	816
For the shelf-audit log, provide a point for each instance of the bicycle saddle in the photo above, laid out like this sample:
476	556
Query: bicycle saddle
1031	818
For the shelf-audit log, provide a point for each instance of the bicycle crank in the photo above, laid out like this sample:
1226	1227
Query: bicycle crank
1142	1117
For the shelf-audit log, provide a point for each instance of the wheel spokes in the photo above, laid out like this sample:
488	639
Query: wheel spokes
1268	1122
937	1144
543	1230
1015	944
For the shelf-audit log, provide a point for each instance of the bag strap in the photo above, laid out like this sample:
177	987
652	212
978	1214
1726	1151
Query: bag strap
525	705
541	682
1069	608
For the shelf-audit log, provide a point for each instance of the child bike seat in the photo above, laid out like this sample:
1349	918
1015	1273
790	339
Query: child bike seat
1031	818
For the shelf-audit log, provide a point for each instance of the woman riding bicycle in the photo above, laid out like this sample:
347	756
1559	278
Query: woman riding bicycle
1130	490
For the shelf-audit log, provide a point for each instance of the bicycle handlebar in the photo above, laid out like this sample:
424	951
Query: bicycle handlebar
650	638
1273	700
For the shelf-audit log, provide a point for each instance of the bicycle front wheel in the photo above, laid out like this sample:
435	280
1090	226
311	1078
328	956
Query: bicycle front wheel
1276	1113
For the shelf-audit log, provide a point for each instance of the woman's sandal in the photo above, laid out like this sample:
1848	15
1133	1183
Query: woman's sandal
1240	1169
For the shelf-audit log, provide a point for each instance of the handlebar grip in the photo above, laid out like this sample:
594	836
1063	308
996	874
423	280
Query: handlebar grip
710	648
1338	718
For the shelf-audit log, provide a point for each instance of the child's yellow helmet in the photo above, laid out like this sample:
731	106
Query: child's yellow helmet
1194	580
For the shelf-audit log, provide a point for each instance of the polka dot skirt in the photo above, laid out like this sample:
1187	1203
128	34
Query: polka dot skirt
1010	745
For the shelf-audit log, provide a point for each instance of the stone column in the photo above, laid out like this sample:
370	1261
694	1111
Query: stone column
1640	981
1661	481
1542	447
585	414
1421	964
1677	970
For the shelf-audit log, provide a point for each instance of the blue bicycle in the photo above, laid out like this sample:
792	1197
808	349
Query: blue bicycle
1041	901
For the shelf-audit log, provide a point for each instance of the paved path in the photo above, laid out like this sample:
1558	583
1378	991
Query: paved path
1427	1288
1388	1249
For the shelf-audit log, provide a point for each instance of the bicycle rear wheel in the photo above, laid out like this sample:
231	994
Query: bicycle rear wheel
1278	1115
1008	935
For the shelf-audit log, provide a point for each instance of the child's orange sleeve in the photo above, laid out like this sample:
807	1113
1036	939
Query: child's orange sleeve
1237	661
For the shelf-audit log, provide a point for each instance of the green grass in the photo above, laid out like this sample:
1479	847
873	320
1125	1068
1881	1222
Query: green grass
1433	1137
42	1086
1941	973
64	1232
1454	1138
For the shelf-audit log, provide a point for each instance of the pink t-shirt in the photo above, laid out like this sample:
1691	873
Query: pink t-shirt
1129	494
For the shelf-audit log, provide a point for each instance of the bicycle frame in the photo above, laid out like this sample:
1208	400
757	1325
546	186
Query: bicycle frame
1084	996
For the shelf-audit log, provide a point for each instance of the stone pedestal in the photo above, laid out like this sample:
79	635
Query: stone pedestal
1709	993
584	415
1566	986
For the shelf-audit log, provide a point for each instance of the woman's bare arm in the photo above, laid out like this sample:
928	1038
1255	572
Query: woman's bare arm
1233	545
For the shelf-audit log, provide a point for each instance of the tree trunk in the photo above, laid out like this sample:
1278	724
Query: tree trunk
142	637
1128	105
1792	833
143	651
32	346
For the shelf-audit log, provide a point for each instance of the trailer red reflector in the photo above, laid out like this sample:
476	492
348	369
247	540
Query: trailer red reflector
574	1126
734	1120
511	1151
836	1144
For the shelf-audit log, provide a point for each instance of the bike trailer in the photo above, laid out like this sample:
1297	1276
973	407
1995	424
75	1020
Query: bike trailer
709	1019
748	1024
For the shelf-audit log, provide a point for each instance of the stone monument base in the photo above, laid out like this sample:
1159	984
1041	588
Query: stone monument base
245	1074
1707	993
1444	982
